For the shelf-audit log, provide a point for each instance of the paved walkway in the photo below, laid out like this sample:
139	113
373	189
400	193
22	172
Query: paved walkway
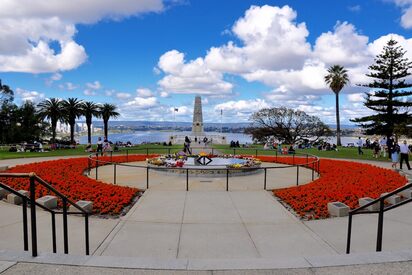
172	224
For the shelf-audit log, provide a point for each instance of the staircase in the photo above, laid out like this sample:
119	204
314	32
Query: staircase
47	203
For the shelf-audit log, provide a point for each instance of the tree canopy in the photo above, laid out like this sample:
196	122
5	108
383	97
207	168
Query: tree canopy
387	96
286	125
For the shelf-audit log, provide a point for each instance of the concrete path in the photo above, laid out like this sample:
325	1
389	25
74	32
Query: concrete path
211	225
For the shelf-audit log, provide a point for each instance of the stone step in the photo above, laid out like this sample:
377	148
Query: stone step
48	201
14	199
85	205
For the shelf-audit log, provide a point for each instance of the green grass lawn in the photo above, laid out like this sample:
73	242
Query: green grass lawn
343	152
79	151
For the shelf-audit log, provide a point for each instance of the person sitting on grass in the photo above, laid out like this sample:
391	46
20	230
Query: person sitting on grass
291	150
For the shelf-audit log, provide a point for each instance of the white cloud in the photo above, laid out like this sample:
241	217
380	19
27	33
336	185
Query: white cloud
28	27
54	77
143	92
26	95
406	18
193	77
94	85
271	40
68	86
164	94
343	46
140	102
109	92
123	96
356	98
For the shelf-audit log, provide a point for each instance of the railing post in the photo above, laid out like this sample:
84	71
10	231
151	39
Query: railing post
111	156
33	216
307	165
212	151
256	153
54	232
25	229
147	177
187	179
97	165
127	155
297	175
147	151
65	229
264	185
114	173
276	155
348	240
293	159
86	231
380	226
227	179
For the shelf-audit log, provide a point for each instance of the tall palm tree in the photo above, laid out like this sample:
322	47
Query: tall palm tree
337	78
51	109
90	110
72	109
106	112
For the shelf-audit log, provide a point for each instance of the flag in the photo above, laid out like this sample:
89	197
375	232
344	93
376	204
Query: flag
221	112
176	110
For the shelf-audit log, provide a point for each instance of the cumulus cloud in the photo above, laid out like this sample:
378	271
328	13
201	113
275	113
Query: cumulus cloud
68	86
143	92
26	95
193	77
92	87
356	98
28	27
123	96
142	103
406	18
54	77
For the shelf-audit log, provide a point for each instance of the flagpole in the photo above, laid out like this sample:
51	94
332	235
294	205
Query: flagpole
174	120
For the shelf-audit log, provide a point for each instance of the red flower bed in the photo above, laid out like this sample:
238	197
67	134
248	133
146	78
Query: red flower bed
343	181
67	176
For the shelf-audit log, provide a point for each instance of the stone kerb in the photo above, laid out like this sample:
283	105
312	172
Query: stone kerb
338	209
392	199
3	193
48	201
4	167
366	200
85	205
407	193
14	199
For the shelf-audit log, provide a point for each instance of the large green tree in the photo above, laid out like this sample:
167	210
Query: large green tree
6	93
108	111
52	109
337	78
72	109
286	125
387	96
90	110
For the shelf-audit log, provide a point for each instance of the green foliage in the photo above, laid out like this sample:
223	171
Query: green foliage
387	97
72	109
108	111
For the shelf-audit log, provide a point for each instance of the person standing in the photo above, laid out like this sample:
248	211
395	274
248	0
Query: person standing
390	143
99	145
404	148
382	143
360	145
395	155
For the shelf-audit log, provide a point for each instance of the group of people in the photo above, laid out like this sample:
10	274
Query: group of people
397	152
103	146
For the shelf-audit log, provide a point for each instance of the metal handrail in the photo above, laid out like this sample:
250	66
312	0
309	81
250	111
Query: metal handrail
382	209
33	179
312	162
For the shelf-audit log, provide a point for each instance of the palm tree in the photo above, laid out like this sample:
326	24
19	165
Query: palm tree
6	94
106	112
90	110
337	78
51	109
72	109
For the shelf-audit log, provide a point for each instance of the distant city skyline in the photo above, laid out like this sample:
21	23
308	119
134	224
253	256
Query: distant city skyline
152	57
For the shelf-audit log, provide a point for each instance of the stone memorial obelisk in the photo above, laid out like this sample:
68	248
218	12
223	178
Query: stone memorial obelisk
197	126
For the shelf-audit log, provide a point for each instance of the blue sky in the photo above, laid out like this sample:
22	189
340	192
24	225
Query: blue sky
148	56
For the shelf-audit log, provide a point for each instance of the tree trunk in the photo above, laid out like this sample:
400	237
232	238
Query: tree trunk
72	133
338	141
89	133
105	122
53	125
